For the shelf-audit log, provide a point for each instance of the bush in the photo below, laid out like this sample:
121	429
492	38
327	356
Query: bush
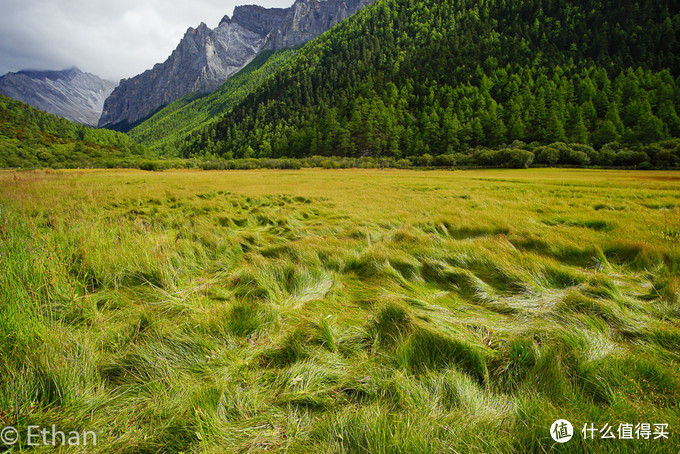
153	166
515	158
574	157
593	155
445	160
547	155
629	158
330	164
485	157
425	160
404	163
607	157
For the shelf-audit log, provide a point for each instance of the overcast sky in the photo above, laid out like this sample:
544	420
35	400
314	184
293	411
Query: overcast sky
112	39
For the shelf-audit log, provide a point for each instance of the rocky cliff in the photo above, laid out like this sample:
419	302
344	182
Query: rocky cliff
70	94
307	19
205	58
202	62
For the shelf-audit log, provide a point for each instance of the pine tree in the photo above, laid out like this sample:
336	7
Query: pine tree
516	127
613	117
580	133
649	128
554	129
605	134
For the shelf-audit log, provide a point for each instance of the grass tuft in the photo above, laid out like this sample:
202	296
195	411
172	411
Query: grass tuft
391	324
426	350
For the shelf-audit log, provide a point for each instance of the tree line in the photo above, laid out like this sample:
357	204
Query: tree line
404	79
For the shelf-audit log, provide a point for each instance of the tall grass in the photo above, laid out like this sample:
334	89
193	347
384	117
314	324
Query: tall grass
339	311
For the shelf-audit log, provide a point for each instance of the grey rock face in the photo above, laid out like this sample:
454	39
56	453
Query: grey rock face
258	19
202	61
308	19
205	58
70	94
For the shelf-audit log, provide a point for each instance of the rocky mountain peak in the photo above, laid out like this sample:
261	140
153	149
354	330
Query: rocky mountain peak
205	58
66	74
307	19
201	63
70	93
259	19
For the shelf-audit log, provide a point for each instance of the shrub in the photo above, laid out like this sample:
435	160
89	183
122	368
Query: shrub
425	160
404	163
485	157
592	154
445	160
547	155
515	158
628	158
153	166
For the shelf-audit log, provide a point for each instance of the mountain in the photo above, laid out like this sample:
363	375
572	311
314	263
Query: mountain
70	93
167	128
307	19
30	138
409	79
205	58
202	61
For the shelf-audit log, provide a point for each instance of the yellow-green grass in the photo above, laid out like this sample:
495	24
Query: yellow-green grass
340	311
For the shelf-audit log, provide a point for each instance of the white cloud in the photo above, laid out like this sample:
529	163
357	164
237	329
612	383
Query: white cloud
111	39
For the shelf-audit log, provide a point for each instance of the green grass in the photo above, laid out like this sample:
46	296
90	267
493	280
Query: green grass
359	311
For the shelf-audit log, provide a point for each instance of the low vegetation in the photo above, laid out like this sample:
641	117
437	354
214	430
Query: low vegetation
30	138
340	311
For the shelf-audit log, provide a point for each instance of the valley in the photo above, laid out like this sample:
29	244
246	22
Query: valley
344	226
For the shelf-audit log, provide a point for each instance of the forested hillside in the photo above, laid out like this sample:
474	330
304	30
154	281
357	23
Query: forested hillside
30	138
165	130
408	78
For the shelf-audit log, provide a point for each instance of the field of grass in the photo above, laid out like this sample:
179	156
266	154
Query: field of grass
359	311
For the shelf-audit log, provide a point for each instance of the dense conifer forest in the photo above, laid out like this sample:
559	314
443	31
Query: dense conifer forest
432	80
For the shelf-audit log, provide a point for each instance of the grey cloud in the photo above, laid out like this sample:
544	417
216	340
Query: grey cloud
110	39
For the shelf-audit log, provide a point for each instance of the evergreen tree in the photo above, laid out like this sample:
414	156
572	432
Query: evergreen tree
605	134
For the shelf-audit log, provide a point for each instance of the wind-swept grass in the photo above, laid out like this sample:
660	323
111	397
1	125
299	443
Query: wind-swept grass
339	311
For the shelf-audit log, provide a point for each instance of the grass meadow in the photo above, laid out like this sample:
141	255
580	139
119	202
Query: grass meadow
359	311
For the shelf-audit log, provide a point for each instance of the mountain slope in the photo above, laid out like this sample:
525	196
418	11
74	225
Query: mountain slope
166	129
202	61
206	58
30	138
71	93
405	78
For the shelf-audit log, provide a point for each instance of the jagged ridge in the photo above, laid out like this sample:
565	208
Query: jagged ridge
71	93
205	58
